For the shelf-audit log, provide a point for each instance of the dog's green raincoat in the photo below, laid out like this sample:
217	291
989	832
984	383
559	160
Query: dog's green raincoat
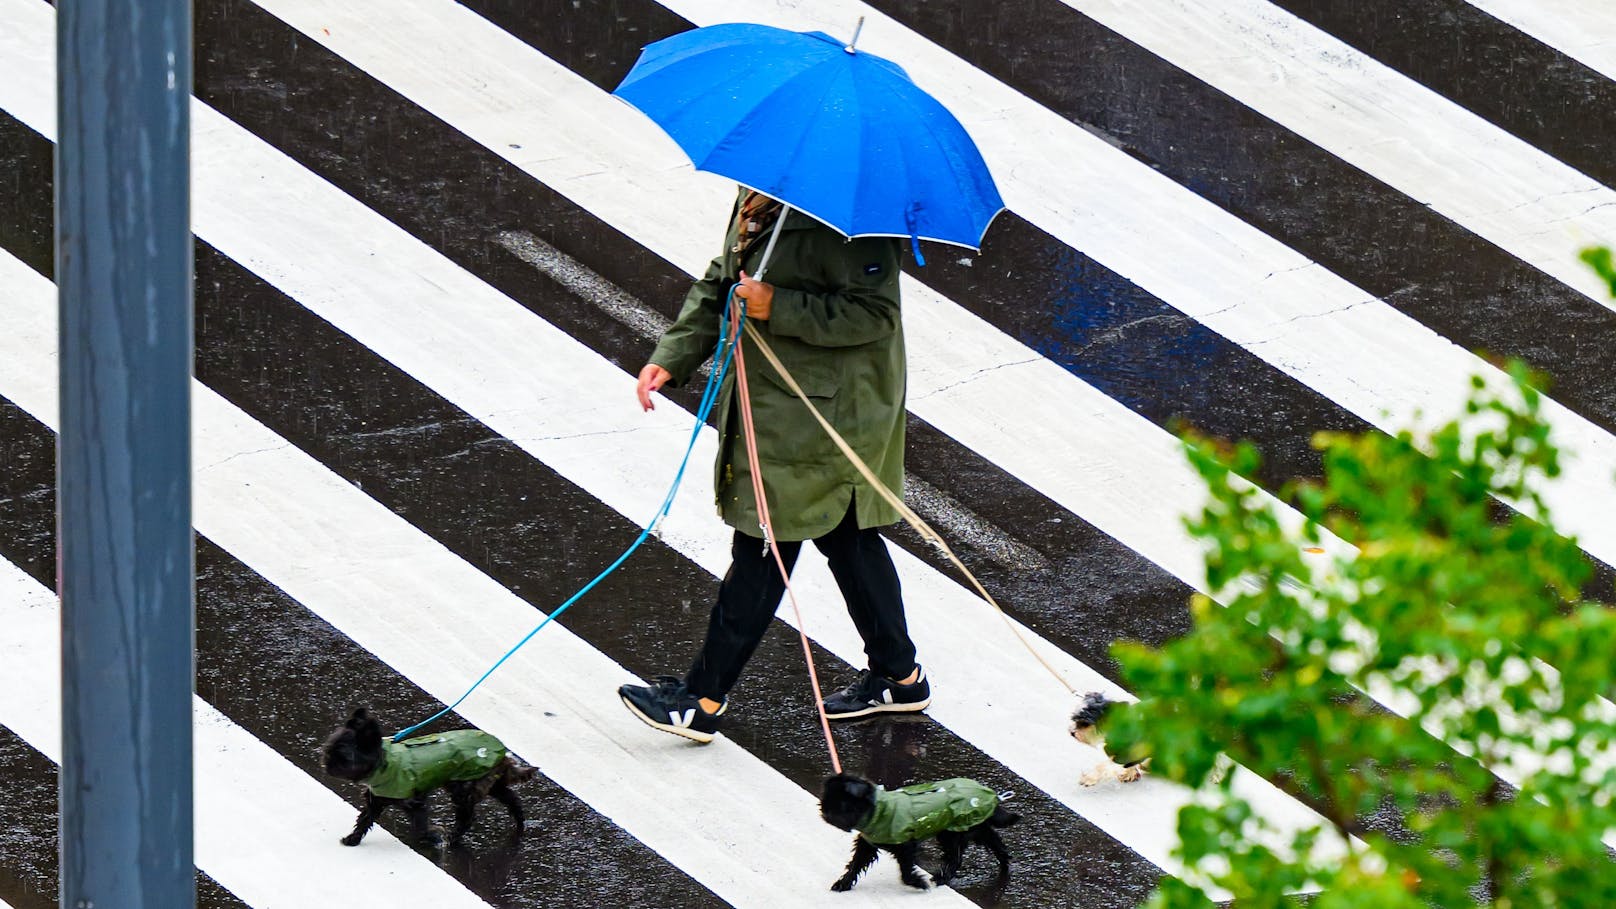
426	762
919	811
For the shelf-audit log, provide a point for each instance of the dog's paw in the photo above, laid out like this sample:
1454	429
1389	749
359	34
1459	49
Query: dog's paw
920	880
352	839
842	885
1092	777
1131	774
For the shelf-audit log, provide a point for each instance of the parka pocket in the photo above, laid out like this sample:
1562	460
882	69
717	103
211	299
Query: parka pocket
786	432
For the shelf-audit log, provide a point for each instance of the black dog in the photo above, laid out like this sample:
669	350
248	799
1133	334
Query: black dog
957	812
468	763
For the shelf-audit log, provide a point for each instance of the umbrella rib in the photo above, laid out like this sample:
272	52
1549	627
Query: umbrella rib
755	67
819	108
858	160
760	105
927	124
903	163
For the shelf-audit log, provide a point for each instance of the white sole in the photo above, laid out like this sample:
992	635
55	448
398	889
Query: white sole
916	707
691	734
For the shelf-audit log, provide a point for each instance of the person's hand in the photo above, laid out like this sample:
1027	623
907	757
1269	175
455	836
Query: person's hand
759	297
652	377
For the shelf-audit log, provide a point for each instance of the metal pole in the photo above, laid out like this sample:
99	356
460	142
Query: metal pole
856	29
763	264
123	269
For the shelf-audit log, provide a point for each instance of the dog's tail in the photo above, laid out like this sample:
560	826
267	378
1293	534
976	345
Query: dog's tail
1003	817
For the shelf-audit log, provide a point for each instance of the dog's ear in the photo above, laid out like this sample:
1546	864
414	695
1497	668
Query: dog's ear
360	716
861	789
848	787
837	784
832	783
367	732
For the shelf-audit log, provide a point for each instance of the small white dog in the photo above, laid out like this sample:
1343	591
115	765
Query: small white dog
1086	727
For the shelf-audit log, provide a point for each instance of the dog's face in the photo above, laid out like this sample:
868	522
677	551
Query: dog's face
354	750
1088	716
846	800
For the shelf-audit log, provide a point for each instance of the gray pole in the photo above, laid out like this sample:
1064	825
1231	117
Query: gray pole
123	269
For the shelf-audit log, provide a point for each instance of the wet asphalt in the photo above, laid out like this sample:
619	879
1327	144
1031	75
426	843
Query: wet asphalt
1503	75
516	521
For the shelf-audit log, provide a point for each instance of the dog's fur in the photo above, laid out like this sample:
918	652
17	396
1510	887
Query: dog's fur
1087	724
848	799
353	752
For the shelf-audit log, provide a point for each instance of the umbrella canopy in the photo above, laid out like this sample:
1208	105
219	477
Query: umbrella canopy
842	135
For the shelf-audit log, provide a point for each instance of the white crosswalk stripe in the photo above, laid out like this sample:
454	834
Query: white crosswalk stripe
272	851
1495	185
339	553
383	287
389	48
484	81
1343	342
1584	30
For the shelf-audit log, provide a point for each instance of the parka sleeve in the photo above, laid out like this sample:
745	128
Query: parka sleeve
690	340
865	309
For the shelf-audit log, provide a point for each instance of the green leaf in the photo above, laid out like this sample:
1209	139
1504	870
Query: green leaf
1439	603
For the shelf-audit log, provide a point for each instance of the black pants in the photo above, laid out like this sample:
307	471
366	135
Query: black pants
751	591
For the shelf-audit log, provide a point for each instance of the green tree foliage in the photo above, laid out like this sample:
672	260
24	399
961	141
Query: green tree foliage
1599	258
1406	586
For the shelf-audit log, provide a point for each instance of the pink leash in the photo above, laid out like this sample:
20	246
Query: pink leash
768	534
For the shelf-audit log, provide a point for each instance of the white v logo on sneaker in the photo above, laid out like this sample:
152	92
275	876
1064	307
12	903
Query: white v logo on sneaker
684	720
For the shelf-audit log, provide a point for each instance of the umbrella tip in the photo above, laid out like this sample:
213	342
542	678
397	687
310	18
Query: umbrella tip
856	29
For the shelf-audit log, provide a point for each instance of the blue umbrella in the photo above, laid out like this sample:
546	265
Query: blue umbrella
832	131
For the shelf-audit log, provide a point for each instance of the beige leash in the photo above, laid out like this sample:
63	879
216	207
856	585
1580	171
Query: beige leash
908	514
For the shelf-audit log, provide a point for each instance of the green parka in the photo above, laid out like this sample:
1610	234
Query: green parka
419	765
918	811
835	325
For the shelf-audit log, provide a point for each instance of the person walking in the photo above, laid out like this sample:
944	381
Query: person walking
831	314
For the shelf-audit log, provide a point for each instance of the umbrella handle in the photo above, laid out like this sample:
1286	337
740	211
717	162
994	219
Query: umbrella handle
763	265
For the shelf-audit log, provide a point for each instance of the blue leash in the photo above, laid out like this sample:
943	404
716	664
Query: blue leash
715	379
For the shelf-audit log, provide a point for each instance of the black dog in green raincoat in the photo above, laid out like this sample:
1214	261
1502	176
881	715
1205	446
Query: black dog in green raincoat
958	812
468	763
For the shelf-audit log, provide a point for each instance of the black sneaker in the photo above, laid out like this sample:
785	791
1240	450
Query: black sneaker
871	693
665	704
